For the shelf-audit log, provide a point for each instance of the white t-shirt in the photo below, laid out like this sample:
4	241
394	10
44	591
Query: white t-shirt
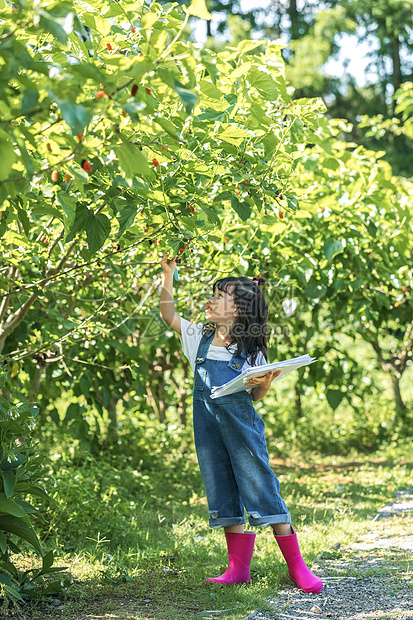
191	334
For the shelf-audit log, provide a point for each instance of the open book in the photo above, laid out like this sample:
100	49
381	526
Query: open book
238	384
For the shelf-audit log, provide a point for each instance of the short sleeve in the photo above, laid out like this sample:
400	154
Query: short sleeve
260	359
190	337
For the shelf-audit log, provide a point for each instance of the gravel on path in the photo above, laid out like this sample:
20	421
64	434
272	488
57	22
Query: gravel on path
371	578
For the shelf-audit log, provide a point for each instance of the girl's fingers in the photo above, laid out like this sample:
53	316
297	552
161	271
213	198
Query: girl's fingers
271	374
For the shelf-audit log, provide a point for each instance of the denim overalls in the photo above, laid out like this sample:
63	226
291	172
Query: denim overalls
231	449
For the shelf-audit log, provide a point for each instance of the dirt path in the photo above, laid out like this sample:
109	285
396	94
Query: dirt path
371	578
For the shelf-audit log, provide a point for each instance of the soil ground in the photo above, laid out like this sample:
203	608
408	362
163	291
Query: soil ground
369	576
368	579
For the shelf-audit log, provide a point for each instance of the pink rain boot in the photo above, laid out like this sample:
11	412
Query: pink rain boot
240	549
297	569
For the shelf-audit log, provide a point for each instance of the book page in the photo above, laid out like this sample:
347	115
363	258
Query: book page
238	383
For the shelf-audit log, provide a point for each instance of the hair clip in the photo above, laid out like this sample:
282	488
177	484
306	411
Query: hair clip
255	282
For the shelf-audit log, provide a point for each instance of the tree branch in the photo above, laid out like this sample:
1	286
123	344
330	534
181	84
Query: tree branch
407	347
17	317
386	364
6	300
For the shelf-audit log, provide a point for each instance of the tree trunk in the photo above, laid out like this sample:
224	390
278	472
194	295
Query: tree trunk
298	403
400	406
14	319
294	18
158	405
181	391
395	367
111	408
156	385
397	77
113	419
33	393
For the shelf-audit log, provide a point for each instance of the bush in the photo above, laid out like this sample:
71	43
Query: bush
20	474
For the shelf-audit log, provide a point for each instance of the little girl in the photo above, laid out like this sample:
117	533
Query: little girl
229	433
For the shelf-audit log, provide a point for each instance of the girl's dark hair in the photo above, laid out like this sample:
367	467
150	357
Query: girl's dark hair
249	329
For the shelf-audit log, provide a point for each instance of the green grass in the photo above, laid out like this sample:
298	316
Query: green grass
141	547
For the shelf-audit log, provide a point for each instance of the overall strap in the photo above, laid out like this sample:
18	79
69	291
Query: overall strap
235	363
203	348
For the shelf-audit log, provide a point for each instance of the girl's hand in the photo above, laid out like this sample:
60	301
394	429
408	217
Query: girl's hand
168	265
264	381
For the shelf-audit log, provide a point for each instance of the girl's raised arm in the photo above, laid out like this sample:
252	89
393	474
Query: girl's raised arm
167	306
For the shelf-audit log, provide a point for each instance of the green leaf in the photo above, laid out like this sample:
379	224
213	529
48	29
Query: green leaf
9	480
10	507
87	70
20	458
117	269
7	159
248	45
209	89
233	134
56	586
47	561
6	577
260	114
242	208
13	593
315	290
264	83
132	161
167	125
3	542
30	101
81	218
187	97
148	20
73	412
3	379
17	526
102	25
68	204
334	398
3	223
24	221
97	231
209	114
27	506
27	160
75	115
209	60
126	217
225	195
158	40
167	75
58	21
30	489
331	163
212	216
241	70
198	8
332	247
140	66
85	383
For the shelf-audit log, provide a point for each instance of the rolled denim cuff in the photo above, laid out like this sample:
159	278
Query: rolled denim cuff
216	522
256	520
